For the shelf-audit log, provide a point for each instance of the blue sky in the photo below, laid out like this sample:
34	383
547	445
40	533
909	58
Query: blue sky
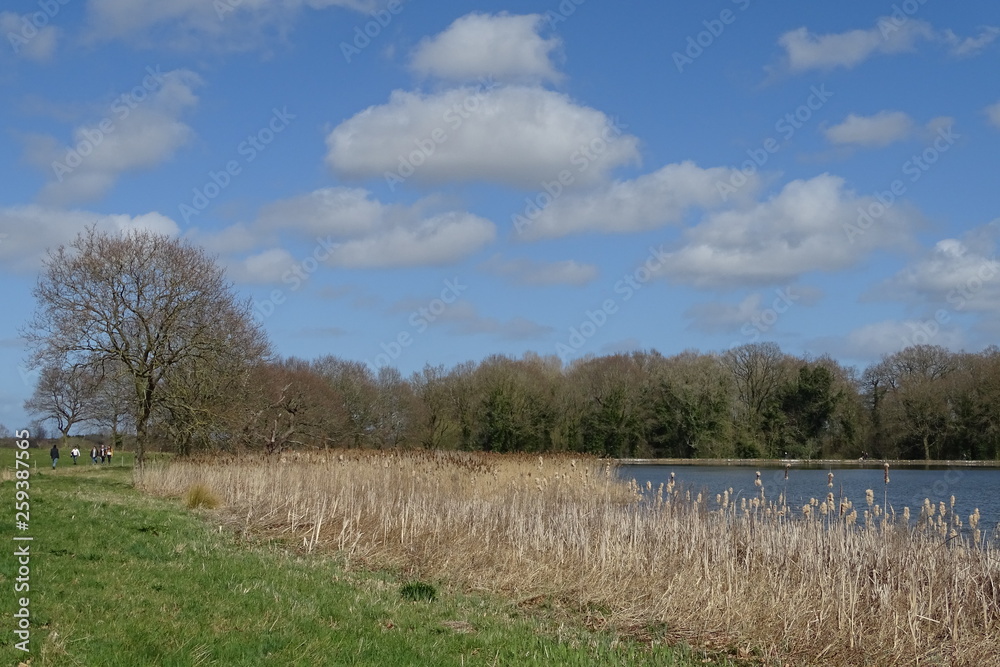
407	183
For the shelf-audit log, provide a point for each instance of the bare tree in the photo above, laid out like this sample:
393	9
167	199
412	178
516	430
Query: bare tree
64	395
113	409
145	301
356	385
758	371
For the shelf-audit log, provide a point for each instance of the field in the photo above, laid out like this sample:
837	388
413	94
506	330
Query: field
823	584
118	577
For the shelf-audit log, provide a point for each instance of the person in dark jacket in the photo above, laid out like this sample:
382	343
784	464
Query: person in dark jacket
54	453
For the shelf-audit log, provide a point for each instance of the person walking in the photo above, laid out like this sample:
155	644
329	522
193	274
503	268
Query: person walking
54	453
75	453
110	451
93	454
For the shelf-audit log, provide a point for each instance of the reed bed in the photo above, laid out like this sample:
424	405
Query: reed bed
826	583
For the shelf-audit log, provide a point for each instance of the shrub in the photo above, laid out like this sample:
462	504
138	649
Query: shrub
418	590
200	495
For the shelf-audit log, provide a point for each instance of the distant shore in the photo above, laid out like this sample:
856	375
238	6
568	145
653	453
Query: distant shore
814	463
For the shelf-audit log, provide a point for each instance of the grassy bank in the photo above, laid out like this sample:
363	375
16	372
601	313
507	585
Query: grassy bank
823	584
122	578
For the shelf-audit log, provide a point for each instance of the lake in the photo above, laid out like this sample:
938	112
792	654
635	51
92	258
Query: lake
908	486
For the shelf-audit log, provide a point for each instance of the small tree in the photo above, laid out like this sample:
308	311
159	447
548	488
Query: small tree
64	395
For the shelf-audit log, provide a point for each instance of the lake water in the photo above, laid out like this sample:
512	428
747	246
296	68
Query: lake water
908	486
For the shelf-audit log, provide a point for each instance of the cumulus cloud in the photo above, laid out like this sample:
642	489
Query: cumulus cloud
263	267
442	239
26	39
881	129
515	135
226	25
811	225
533	273
957	275
350	229
500	46
26	232
139	130
647	202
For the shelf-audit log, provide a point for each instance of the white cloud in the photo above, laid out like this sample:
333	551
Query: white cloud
993	114
882	129
139	130
500	46
27	232
28	40
341	211
534	273
810	225
971	46
350	229
647	202
516	135
956	275
262	267
442	239
227	25
805	50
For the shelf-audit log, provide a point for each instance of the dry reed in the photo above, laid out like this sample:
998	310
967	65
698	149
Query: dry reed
811	585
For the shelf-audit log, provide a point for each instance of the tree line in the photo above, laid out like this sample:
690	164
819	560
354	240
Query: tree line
140	334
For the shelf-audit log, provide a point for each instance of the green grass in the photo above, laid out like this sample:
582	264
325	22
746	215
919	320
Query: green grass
118	578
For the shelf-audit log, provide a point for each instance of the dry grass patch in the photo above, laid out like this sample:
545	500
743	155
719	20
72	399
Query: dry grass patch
813	585
200	495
